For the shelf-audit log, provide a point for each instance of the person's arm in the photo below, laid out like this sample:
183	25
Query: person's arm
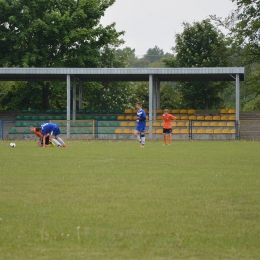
43	141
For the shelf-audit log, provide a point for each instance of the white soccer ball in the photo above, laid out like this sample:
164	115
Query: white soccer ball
12	145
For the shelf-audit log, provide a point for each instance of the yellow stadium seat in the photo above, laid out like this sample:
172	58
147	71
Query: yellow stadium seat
176	131
146	110
192	117
174	123
194	131
216	118
132	124
128	117
127	131
156	123
135	111
159	118
209	131
197	124
230	123
184	131
231	111
175	111
134	117
147	123
159	111
187	123
226	131
178	117
205	124
208	117
222	124
233	131
213	124
128	111
223	111
224	118
183	111
158	131
191	111
232	118
181	124
119	131
200	131
200	117
123	124
217	131
132	131
121	118
162	123
184	118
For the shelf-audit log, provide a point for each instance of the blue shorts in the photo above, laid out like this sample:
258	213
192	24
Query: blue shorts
55	131
140	128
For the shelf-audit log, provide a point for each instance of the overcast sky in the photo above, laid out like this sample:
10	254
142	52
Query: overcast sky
155	22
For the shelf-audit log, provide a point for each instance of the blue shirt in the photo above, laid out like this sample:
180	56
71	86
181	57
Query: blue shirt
48	128
141	116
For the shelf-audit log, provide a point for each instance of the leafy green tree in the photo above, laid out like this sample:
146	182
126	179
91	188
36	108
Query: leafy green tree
170	97
56	34
200	45
154	54
243	25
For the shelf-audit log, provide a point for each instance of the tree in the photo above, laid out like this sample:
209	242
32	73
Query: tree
199	45
154	54
55	34
243	25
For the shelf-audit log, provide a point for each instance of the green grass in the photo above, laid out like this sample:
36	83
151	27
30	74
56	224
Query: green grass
114	200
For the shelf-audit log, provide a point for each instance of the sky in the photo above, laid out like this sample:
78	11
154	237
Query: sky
155	22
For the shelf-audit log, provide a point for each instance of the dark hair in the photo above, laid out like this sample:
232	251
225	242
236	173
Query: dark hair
138	103
38	129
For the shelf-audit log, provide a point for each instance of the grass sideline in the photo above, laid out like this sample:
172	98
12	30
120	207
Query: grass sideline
114	200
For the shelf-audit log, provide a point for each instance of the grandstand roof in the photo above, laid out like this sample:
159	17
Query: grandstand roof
122	74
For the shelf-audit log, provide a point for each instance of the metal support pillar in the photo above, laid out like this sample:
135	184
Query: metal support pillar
80	95
154	100
74	100
151	106
237	105
158	95
68	106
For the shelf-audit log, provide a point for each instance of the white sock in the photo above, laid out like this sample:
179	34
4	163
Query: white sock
139	139
56	142
61	141
143	140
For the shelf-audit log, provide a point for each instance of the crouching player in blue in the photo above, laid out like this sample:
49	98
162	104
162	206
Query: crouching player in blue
53	130
141	124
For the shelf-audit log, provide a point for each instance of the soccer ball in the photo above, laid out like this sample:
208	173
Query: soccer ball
12	145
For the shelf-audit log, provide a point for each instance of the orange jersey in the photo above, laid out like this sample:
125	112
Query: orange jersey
167	119
39	134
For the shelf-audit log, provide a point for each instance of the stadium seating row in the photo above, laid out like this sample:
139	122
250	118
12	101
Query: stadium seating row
131	131
180	123
121	111
78	117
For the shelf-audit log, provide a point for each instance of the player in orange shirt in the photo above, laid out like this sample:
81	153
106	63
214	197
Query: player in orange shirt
39	134
167	126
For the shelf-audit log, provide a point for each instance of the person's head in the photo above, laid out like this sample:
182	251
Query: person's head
166	112
38	129
138	105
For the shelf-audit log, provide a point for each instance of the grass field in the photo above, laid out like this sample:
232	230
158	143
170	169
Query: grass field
114	200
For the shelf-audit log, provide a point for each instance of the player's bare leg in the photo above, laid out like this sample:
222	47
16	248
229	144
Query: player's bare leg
164	138
169	138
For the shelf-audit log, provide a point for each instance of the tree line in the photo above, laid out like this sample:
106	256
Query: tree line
69	34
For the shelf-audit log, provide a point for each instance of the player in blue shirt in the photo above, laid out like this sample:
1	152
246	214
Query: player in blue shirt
141	124
53	130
